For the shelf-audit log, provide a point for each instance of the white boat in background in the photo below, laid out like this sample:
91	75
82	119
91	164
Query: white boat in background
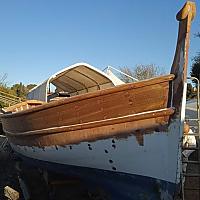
123	138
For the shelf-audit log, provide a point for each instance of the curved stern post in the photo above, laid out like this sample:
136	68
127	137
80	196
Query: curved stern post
177	96
180	62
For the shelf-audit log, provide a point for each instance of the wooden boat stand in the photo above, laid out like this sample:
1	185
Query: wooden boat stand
39	184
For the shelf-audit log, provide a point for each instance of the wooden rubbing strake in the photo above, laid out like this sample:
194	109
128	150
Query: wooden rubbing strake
118	120
122	127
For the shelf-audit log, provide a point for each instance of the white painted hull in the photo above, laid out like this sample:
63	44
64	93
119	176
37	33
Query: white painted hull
157	158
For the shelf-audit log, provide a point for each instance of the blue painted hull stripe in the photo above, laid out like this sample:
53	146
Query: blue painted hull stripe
117	185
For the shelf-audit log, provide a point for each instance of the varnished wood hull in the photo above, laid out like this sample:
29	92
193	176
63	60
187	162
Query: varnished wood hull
119	111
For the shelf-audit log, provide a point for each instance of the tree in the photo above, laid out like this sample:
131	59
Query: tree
140	72
20	90
30	86
3	78
195	69
3	87
3	84
197	34
127	71
191	93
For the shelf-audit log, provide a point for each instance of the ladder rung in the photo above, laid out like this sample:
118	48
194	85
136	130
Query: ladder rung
191	161
191	175
188	188
192	134
192	119
195	128
190	148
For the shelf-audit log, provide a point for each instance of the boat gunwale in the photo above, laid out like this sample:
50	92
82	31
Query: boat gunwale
127	86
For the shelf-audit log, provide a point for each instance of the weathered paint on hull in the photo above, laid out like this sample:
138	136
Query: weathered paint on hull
114	185
155	158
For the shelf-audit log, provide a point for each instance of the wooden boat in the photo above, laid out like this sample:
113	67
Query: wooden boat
124	138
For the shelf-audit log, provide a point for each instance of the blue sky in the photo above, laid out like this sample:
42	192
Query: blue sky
38	37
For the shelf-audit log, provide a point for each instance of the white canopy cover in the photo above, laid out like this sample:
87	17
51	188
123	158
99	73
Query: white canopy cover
76	79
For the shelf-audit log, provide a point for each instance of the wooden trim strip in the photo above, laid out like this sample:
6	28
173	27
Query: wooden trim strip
117	120
103	92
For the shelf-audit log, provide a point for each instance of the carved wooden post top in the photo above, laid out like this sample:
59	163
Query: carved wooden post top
188	9
180	62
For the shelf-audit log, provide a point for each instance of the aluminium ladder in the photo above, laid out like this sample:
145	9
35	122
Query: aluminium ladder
193	178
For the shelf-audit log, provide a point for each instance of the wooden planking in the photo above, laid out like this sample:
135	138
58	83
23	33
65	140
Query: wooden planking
10	193
134	117
124	87
123	126
120	103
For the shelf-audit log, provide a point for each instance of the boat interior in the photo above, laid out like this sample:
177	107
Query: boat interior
74	80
